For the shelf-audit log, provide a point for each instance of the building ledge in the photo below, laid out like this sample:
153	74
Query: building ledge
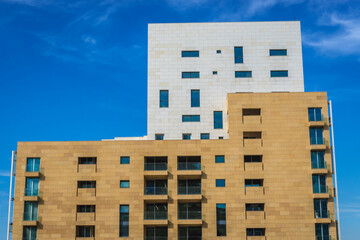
321	195
162	222
318	147
190	197
316	123
32	174
188	173
319	171
30	223
156	174
190	222
155	198
31	198
322	220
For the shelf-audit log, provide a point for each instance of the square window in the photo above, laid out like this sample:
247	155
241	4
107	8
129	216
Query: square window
214	72
218	51
159	136
220	182
124	184
205	136
186	136
219	159
124	160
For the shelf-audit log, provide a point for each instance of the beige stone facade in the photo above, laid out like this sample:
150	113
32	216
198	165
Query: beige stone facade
280	134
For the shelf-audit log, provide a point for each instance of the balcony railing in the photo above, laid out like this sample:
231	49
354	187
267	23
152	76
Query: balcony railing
320	189
322	214
190	237
156	238
317	141
189	166
30	216
189	215
316	118
155	166
29	238
318	165
31	192
189	190
156	191
323	237
155	215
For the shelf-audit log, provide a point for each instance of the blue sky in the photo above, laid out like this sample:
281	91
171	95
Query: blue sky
76	70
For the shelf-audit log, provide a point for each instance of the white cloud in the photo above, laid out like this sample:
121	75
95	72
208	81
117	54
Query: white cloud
88	39
344	40
259	6
4	173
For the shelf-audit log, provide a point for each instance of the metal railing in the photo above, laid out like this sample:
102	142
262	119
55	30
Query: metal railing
323	237
189	190
322	214
31	192
189	166
190	237
156	238
317	141
155	215
156	191
155	167
189	214
319	165
30	216
316	118
320	189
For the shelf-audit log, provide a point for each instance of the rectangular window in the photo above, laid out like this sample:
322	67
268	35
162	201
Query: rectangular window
218	51
251	111
156	211
318	159
85	208
159	136
29	233
124	160
186	136
86	184
238	54
154	233
205	136
278	52
252	135
33	165
252	158
319	184
255	207
255	232
218	120
254	182
189	187
32	187
321	208
316	136
31	211
85	231
279	73
190	54
155	164
315	114
190	74
219	159
322	231
156	187
87	160
243	74
214	72
195	98
190	233
189	210
124	184
191	118
221	219
124	220
189	163
164	98
220	182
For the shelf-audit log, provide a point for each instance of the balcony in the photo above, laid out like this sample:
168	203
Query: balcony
155	218
189	166
85	216
254	191
86	192
254	166
31	192
85	238
322	192
189	215
252	120
189	193
255	238
155	170
156	238
32	174
190	237
30	223
254	215
156	193
323	237
87	168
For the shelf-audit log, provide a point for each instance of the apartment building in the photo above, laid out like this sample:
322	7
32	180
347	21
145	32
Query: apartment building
235	150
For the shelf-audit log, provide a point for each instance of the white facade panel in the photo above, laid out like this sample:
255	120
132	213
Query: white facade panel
165	65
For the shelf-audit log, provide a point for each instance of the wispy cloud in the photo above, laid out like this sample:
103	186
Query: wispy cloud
259	6
185	4
345	39
350	208
4	173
